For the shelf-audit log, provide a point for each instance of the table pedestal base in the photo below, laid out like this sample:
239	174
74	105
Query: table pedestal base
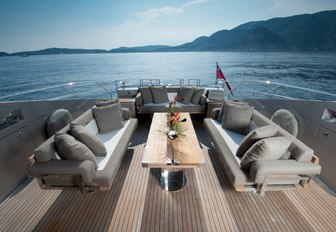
172	179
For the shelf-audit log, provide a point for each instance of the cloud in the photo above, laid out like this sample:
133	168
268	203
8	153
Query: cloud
145	16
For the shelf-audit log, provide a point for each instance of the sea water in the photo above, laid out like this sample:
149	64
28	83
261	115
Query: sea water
96	75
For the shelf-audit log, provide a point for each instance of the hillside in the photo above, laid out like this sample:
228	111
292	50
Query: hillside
307	32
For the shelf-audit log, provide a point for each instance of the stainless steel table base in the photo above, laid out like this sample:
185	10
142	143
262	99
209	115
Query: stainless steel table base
172	179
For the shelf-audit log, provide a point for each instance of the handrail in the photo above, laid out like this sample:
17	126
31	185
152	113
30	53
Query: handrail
238	89
277	86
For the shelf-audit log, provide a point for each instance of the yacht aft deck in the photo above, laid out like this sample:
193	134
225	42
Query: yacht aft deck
137	203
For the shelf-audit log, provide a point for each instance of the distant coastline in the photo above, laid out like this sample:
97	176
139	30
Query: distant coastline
299	33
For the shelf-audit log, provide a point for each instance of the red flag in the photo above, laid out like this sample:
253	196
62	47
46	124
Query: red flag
220	75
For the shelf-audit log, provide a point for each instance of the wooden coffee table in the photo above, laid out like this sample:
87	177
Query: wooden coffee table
172	156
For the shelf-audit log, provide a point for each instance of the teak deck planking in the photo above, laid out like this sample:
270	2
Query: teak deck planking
137	203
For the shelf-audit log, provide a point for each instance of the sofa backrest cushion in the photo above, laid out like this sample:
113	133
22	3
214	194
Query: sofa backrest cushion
221	112
108	118
146	95
88	138
185	94
159	94
237	117
266	149
196	97
256	135
71	149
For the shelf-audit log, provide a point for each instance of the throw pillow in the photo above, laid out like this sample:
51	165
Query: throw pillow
221	112
71	149
237	117
57	120
196	97
266	149
88	138
107	102
256	135
185	94
159	94
146	95
108	118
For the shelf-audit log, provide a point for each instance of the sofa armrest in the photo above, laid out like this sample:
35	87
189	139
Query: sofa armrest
138	99
214	113
203	99
260	168
83	168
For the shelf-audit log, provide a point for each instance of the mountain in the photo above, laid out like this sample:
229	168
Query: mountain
149	48
57	51
3	54
308	32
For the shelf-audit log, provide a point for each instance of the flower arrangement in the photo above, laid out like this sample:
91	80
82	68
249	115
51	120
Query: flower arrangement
177	126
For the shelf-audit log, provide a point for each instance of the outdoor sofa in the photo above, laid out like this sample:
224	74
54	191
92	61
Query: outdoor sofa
276	159
53	170
151	99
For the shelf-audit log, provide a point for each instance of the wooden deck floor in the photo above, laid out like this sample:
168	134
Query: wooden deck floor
137	203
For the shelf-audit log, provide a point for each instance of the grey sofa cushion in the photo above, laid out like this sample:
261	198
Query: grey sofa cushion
237	117
221	112
72	149
106	102
256	135
266	149
57	120
196	97
108	118
159	94
185	94
146	95
88	138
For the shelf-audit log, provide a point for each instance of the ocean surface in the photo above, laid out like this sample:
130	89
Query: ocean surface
95	75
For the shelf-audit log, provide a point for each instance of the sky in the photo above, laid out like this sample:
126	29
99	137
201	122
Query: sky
27	25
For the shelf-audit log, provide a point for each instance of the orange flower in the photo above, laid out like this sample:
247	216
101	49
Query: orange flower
177	116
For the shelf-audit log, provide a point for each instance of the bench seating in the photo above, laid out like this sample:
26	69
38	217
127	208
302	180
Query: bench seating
149	107
263	174
53	172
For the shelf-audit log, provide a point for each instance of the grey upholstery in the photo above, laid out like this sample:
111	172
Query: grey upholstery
159	94
51	172
265	149
196	97
286	120
146	94
71	149
108	117
88	138
185	94
237	117
57	120
227	142
254	136
151	107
